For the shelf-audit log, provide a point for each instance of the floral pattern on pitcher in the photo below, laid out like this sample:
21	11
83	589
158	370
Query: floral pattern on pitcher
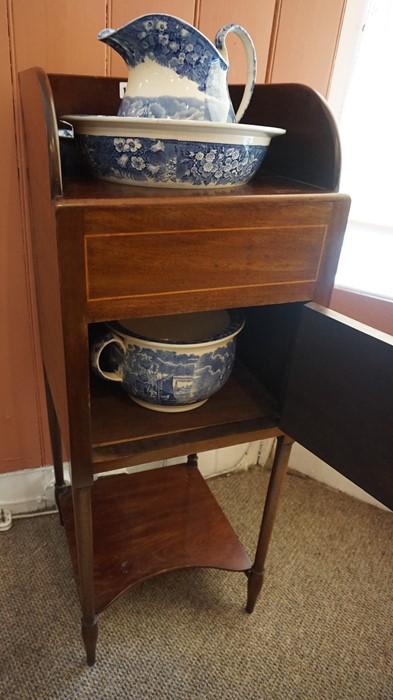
169	59
173	108
170	43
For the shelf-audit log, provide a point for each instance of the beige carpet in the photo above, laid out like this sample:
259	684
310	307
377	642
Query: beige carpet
322	628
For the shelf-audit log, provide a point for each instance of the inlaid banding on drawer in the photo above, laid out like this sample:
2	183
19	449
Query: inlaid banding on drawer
122	265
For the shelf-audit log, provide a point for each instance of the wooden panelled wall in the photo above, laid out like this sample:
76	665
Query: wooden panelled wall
295	42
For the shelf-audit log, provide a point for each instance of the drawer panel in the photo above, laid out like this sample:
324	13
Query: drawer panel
137	264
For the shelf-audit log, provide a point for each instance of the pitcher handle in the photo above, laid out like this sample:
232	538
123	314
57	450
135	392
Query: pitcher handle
251	61
95	355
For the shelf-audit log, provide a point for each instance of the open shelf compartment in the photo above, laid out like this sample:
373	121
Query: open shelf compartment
125	434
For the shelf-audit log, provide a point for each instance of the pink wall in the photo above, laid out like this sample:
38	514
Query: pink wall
62	38
372	311
21	425
306	43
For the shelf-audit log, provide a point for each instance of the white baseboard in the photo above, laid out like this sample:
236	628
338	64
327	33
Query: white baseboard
31	490
28	490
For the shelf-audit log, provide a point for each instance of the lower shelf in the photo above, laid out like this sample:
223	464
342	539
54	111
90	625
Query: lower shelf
150	522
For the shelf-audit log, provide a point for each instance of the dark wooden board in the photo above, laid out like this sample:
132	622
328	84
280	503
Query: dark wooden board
339	398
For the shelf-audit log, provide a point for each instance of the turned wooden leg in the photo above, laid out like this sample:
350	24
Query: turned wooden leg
55	440
279	469
84	544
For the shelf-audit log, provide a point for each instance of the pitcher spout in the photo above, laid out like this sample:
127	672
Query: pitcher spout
114	39
174	71
170	42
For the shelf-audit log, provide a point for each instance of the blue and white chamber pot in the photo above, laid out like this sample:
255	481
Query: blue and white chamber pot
169	363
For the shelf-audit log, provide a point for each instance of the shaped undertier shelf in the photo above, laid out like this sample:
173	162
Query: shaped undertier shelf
130	547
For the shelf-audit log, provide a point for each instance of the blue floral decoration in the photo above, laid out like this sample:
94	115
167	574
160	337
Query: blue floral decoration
168	41
167	107
159	161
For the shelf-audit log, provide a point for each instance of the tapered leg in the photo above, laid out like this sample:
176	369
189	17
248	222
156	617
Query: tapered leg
84	542
89	636
280	465
55	439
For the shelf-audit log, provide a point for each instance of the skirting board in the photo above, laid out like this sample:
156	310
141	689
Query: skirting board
31	490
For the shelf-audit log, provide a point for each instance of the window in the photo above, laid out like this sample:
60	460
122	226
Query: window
365	118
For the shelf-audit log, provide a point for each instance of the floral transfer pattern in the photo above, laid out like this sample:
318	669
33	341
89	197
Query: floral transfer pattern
163	108
168	41
137	160
167	107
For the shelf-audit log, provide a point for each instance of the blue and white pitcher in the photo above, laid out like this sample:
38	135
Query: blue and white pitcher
175	72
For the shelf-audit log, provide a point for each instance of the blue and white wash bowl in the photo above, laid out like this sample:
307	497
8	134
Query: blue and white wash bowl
165	153
175	72
169	363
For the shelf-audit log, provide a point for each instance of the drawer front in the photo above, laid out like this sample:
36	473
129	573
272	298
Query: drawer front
145	263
